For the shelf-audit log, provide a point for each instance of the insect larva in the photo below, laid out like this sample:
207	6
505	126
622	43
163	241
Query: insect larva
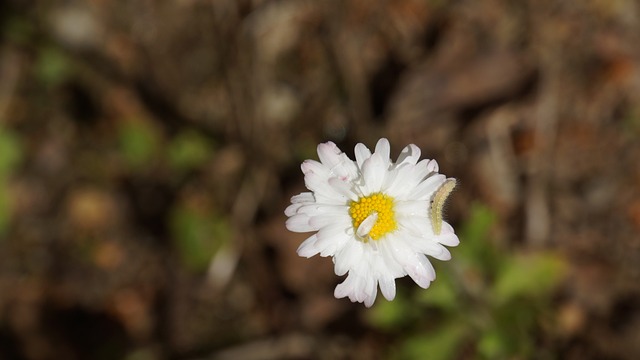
439	199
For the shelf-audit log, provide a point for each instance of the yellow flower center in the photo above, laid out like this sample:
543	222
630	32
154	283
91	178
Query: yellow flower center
367	205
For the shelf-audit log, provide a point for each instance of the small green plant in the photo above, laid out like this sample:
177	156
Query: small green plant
139	142
488	302
189	150
198	235
53	66
10	157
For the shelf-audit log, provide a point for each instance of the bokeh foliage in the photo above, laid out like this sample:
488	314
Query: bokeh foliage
487	302
11	153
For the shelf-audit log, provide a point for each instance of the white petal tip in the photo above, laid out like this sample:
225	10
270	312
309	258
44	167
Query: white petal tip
366	225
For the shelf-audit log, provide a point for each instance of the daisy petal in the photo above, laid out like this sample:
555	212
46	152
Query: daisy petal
299	223
447	237
410	155
426	188
349	255
345	288
421	271
308	247
329	154
370	291
412	208
314	167
433	166
292	209
433	249
388	287
331	239
305	197
362	154
323	220
343	188
383	149
373	172
367	224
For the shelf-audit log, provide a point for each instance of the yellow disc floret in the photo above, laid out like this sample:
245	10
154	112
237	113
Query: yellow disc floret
379	203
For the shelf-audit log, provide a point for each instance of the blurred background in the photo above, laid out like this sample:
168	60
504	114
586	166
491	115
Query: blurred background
148	150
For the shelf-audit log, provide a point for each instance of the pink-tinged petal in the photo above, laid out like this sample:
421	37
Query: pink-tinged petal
308	247
445	255
421	271
329	154
433	166
416	265
314	167
299	223
448	239
374	173
292	209
409	155
346	170
362	154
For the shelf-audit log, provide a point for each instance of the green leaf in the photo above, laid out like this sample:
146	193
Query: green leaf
53	66
139	141
529	275
441	294
189	150
477	226
477	250
10	152
391	315
441	344
492	344
5	207
198	236
511	330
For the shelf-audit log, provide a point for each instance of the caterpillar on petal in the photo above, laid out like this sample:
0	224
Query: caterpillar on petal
437	204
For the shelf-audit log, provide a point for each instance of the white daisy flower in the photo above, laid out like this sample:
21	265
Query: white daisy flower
376	218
